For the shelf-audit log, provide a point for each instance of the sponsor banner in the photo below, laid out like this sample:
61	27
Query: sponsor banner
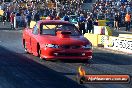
120	44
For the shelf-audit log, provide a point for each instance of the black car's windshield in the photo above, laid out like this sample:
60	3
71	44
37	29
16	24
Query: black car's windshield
51	29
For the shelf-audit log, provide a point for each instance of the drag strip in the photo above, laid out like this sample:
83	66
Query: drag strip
21	70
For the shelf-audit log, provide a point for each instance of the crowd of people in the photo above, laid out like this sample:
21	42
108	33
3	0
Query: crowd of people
113	10
25	11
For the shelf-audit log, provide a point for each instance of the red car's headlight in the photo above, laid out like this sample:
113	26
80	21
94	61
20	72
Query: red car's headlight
51	45
87	46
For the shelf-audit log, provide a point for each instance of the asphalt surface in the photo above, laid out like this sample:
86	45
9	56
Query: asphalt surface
21	70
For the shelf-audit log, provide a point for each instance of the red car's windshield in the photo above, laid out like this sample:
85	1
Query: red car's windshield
51	29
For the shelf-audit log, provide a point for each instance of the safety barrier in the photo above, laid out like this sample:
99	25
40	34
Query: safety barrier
102	30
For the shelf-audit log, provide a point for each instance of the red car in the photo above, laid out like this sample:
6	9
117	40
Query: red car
56	39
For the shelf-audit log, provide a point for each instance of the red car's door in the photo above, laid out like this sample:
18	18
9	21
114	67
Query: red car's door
34	41
28	39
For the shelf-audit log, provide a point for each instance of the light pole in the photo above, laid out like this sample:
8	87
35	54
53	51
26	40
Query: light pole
57	2
56	5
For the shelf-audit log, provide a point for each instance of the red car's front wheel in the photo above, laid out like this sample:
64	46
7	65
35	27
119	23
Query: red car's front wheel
39	51
24	45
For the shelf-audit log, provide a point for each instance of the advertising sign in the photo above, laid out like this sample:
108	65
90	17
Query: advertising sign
120	44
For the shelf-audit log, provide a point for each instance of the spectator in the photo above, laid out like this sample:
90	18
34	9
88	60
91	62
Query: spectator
12	15
96	23
81	24
128	8
116	21
18	19
57	17
23	21
28	19
7	15
37	17
66	18
89	24
128	20
4	18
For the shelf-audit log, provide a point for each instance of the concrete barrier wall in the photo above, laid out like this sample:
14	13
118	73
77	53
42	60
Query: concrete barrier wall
97	40
93	38
102	40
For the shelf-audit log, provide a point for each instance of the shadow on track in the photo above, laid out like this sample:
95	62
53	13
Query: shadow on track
72	61
17	71
111	58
